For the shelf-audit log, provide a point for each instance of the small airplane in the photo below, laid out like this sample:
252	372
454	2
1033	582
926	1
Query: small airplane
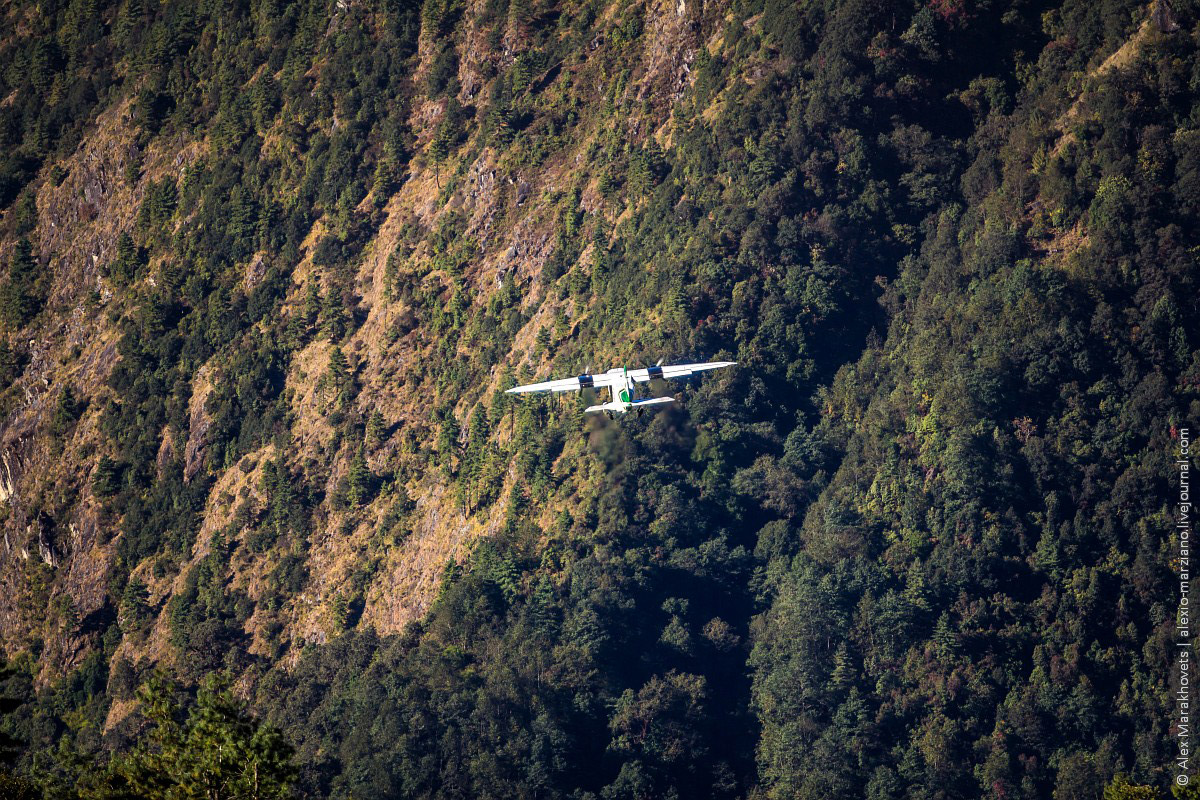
621	381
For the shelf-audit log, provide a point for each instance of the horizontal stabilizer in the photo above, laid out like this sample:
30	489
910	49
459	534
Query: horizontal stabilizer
653	401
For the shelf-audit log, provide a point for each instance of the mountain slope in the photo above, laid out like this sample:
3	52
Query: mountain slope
270	266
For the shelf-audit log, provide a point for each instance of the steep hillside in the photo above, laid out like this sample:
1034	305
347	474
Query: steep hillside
268	267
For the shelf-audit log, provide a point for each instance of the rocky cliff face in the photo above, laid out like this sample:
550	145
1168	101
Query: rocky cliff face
62	543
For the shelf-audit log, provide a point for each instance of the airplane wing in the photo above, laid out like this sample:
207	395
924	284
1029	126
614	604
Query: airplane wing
676	370
564	385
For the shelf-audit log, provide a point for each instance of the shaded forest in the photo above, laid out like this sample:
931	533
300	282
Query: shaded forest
916	545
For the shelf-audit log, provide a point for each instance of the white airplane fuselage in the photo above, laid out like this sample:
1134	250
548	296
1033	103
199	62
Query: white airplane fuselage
621	381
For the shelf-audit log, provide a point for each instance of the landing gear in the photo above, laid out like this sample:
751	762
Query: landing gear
640	412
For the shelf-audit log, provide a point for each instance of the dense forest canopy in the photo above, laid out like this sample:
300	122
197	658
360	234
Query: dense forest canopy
272	527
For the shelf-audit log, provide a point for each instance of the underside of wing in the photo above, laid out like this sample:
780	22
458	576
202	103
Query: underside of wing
563	385
676	370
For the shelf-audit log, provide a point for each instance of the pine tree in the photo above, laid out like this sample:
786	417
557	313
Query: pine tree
358	479
264	101
447	441
502	119
135	606
9	365
122	679
241	218
220	751
384	180
542	607
107	479
18	298
22	266
520	16
339	612
25	213
10	747
843	669
338	374
312	303
439	148
66	412
333	311
376	429
158	205
1046	556
390	273
945	637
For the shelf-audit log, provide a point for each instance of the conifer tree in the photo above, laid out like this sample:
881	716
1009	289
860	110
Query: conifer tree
107	478
9	365
376	429
18	299
312	303
359	479
66	412
439	148
945	637
125	266
333	312
220	752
